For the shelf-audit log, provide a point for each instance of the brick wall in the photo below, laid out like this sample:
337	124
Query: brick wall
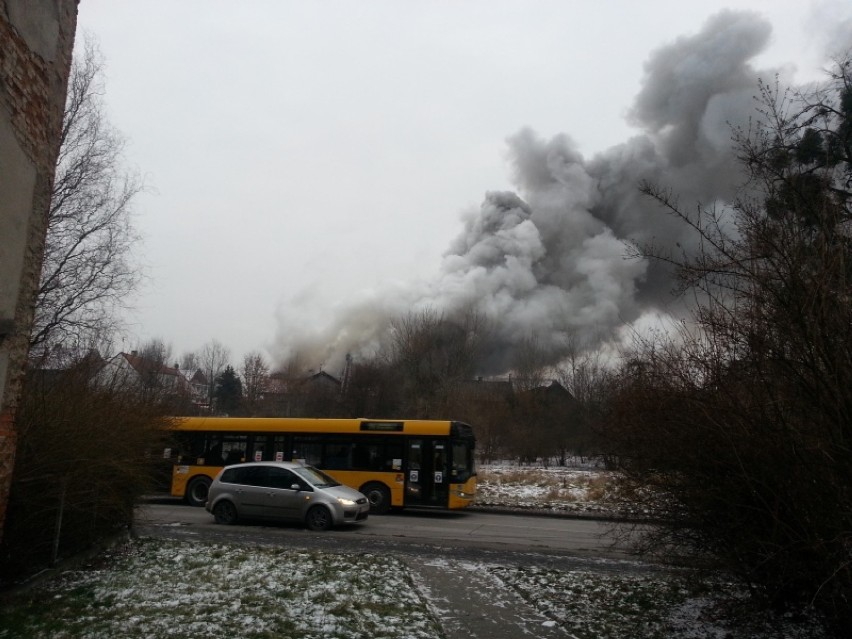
36	42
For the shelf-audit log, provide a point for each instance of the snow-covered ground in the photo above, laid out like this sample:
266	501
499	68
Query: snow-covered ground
152	588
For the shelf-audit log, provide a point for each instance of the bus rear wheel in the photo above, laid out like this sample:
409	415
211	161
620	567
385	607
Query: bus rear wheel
196	491
379	497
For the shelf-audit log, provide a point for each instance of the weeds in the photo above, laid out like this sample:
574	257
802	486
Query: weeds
554	488
660	606
162	589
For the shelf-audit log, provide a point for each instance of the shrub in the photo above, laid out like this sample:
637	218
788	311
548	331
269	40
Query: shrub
86	453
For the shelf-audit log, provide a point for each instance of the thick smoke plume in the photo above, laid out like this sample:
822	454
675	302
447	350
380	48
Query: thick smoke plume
549	261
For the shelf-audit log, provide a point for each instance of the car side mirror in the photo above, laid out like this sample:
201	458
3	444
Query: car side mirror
296	486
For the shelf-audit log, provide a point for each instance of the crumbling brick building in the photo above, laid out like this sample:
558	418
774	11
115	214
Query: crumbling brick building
36	43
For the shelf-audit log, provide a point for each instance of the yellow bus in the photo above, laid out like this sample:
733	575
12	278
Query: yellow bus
395	463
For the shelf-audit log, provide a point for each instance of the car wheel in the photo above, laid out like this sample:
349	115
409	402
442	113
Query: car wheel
196	491
318	518
379	497
224	512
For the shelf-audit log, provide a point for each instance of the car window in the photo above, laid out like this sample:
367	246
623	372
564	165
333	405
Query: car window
245	475
316	477
230	476
279	478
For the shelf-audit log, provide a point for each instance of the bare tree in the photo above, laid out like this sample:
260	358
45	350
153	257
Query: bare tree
435	354
213	358
255	375
153	359
529	364
742	422
372	390
157	351
487	405
87	272
190	362
587	375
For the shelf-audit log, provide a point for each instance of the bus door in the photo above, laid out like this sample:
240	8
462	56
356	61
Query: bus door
426	480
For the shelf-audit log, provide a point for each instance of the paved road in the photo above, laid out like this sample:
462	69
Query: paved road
473	535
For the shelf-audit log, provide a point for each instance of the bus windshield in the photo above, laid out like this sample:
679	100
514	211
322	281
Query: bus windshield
462	461
316	477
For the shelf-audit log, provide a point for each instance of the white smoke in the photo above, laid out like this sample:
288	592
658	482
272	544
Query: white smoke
550	260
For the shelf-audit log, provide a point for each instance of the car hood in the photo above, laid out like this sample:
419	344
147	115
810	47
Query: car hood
343	492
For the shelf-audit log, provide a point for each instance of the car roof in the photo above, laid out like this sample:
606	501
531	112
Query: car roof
281	464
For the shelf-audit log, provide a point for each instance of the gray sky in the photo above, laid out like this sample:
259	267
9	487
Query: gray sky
307	161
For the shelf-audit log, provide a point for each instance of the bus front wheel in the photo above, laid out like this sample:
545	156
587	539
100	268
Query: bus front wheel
379	497
196	491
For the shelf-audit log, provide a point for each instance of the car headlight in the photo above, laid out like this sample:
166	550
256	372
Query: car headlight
345	502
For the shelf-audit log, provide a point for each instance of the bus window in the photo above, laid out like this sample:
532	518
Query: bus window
212	455
307	450
338	455
234	449
364	455
190	446
393	455
377	454
279	448
260	448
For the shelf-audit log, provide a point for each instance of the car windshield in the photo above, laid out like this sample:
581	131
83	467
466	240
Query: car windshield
316	477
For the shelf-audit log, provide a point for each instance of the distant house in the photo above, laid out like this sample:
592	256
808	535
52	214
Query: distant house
199	389
512	389
488	390
133	371
316	395
322	381
551	393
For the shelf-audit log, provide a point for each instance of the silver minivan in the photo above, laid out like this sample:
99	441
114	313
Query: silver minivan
284	491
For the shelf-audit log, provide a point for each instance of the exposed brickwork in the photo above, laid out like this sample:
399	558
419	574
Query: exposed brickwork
32	97
24	78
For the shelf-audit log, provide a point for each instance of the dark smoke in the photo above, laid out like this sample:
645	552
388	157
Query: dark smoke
549	261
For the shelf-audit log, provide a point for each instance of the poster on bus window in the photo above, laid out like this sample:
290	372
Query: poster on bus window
439	477
258	455
414	476
279	456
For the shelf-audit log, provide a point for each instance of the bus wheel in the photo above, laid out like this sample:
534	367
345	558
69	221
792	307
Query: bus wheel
225	512
196	491
379	497
318	518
